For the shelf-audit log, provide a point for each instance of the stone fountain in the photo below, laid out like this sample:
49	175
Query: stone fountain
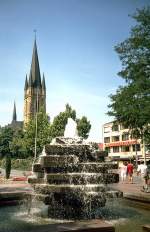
70	179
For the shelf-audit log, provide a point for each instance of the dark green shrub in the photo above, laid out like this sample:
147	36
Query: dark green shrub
8	166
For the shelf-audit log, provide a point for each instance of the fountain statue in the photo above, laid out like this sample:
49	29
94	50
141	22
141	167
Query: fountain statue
71	129
70	178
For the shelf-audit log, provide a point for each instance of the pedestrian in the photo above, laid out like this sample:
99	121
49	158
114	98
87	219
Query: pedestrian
147	178
142	171
123	171
130	172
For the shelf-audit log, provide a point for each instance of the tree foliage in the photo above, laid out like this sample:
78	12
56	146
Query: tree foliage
131	103
17	145
83	127
6	137
7	165
21	142
43	133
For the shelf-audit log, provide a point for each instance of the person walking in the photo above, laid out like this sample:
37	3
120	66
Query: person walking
142	171
123	171
147	178
130	172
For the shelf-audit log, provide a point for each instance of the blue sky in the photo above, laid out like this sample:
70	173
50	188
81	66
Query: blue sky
75	40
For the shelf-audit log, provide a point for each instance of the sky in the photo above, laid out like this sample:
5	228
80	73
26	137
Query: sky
75	40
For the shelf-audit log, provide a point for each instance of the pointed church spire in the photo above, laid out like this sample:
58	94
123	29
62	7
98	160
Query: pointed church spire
35	76
43	83
26	84
14	119
30	80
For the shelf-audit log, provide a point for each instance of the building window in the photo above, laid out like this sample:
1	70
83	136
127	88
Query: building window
115	138
125	136
106	129
107	140
147	148
123	127
115	149
125	148
115	127
136	147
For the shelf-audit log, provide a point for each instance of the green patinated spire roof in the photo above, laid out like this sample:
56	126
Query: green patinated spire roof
14	119
43	83
26	84
35	76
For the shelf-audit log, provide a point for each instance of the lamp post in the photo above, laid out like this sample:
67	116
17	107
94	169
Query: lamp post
36	127
144	151
136	155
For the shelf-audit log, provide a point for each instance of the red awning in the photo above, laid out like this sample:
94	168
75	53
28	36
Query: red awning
121	143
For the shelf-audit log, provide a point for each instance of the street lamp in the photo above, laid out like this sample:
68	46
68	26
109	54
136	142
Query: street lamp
36	127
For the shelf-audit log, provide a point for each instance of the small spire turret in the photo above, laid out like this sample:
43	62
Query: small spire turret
26	84
14	119
30	81
43	83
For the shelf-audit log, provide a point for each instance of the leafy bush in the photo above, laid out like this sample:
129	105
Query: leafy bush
7	166
18	164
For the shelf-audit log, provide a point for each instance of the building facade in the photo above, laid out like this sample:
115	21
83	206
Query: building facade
119	143
34	90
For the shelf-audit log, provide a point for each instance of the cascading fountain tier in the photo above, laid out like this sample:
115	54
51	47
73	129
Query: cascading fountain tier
71	180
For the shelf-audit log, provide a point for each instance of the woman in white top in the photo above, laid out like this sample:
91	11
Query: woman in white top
123	171
142	170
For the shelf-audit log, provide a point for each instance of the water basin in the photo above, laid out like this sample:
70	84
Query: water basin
119	213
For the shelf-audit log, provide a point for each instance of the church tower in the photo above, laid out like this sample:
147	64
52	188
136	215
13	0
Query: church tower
34	89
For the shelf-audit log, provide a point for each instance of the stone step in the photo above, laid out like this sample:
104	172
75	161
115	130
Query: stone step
61	149
35	180
73	199
38	168
114	194
81	178
146	227
58	160
89	167
57	163
82	151
47	188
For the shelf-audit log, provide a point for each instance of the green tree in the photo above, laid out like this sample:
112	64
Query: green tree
131	103
8	165
18	145
58	126
6	137
83	126
43	133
